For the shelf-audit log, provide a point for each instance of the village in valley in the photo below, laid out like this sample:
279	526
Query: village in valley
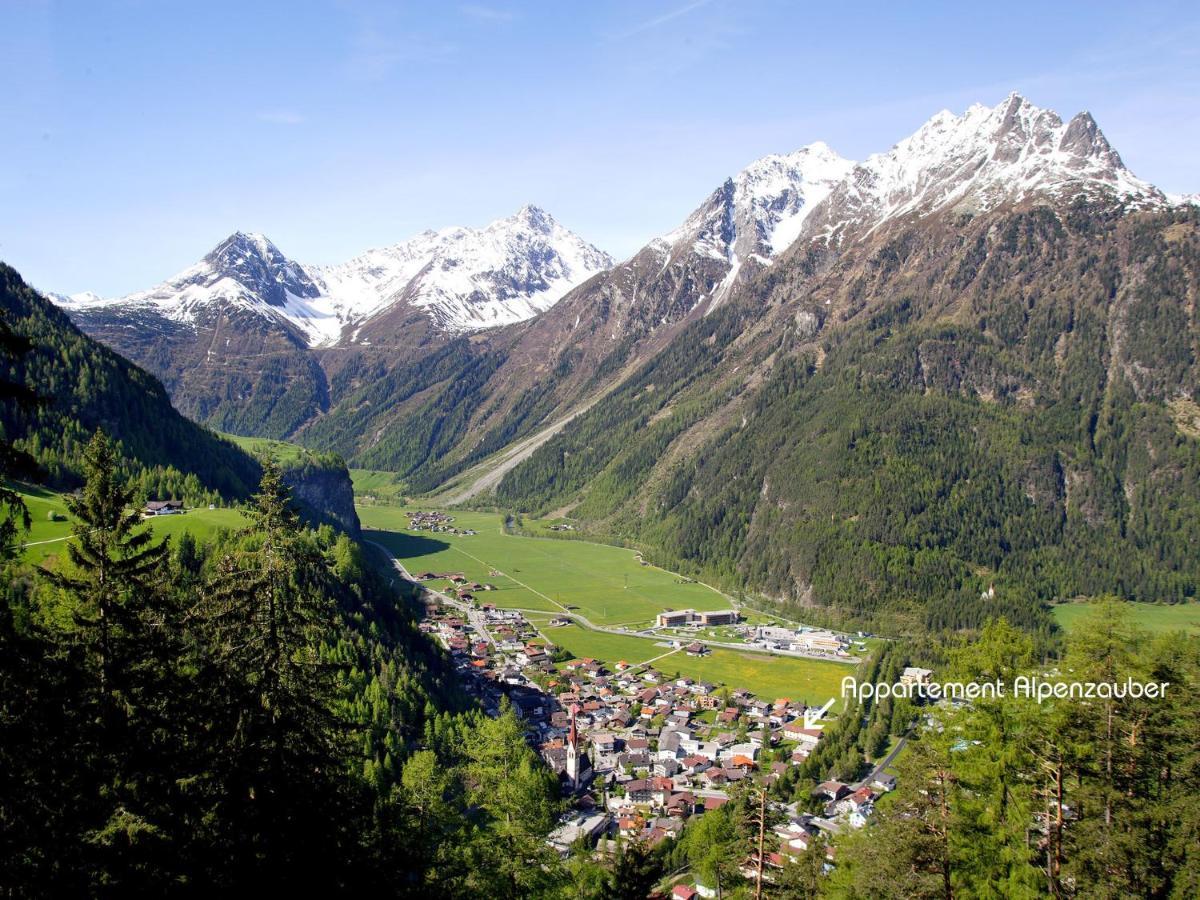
638	748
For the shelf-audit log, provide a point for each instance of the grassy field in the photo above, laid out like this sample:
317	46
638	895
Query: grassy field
48	538
283	451
612	648
605	584
384	487
1150	616
770	677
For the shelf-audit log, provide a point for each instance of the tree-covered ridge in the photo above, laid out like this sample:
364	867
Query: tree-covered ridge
970	406
1008	797
192	718
404	418
84	386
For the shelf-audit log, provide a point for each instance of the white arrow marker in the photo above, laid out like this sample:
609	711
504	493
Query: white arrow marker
812	716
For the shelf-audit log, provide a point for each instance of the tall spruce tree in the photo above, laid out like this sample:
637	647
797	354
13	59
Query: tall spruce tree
908	853
997	734
270	603
277	750
125	627
635	872
515	799
114	564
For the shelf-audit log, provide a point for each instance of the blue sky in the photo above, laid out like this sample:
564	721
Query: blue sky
138	134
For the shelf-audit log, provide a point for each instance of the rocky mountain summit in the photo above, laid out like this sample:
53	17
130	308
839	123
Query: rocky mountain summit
974	162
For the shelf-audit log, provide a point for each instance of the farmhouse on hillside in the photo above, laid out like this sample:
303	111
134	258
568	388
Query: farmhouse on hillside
163	508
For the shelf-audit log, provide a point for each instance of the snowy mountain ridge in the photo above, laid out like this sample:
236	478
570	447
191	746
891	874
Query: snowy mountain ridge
464	278
755	214
468	278
976	161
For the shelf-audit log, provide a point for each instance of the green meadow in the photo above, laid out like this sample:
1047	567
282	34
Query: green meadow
48	538
282	451
605	584
770	677
382	487
1153	617
611	648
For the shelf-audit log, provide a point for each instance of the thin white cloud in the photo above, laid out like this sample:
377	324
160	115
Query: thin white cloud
377	52
281	117
485	13
662	19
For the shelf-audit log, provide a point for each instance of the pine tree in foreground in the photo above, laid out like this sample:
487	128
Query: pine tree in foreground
114	564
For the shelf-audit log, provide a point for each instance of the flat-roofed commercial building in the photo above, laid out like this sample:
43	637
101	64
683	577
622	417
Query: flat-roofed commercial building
674	617
719	617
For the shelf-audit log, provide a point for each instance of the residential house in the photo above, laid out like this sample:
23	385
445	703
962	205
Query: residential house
912	676
640	790
604	742
831	790
666	767
884	782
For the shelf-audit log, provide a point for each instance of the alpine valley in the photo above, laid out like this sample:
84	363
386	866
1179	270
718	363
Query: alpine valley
971	358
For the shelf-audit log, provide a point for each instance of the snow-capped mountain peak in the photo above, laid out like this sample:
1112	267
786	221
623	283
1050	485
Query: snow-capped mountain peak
759	211
245	273
973	162
252	261
468	278
755	215
464	278
532	217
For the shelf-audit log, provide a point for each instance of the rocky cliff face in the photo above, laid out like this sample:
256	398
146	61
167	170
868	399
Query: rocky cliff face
324	494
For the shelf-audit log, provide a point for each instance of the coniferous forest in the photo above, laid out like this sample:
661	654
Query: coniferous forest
974	421
788	520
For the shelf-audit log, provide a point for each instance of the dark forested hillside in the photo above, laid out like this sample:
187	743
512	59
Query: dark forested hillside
84	386
957	407
186	718
255	712
406	415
